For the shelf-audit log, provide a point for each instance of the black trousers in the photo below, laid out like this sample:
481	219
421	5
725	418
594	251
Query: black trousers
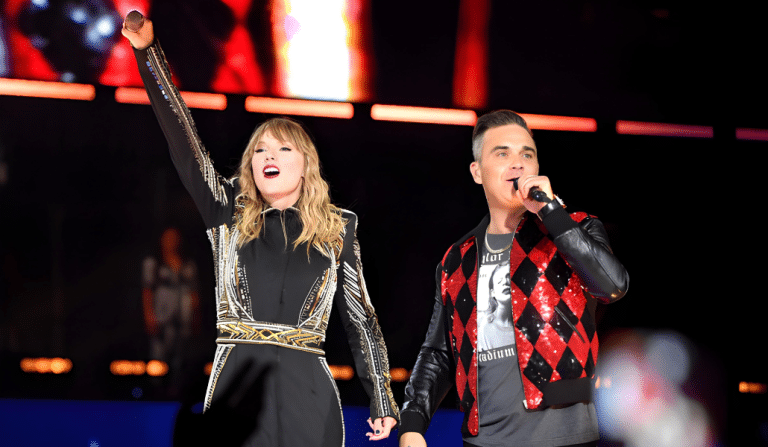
272	396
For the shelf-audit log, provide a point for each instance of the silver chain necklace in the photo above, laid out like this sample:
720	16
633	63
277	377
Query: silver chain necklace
497	251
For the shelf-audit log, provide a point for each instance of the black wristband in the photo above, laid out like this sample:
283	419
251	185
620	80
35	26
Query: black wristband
548	208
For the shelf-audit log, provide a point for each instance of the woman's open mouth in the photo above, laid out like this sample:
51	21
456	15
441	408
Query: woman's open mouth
271	171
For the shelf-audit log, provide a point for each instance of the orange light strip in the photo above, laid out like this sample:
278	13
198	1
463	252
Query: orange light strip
195	100
554	122
43	365
154	368
663	130
752	388
157	368
345	372
341	372
399	374
46	89
128	367
427	115
751	134
303	107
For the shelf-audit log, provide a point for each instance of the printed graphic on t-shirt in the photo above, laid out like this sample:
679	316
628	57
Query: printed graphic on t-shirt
494	310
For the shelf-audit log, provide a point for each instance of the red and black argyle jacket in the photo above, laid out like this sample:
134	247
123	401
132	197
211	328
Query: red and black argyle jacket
553	318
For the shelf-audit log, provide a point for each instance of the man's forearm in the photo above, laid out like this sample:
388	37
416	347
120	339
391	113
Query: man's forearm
586	248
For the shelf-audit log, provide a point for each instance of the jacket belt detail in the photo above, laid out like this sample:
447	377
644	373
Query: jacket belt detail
271	334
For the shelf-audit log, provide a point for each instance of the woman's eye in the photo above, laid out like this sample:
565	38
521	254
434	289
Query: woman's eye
285	148
259	150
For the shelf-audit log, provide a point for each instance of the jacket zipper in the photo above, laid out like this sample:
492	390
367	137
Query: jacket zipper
282	223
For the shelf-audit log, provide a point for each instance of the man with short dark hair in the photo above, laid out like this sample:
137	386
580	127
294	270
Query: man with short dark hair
529	385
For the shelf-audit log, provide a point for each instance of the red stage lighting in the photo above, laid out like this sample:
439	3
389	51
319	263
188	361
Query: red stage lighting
663	130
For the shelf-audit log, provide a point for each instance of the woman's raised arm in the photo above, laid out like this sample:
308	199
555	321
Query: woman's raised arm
212	193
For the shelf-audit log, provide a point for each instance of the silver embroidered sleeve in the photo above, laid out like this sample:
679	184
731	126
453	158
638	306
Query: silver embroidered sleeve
372	344
162	74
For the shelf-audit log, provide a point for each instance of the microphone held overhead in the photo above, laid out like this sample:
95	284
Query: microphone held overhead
535	193
134	21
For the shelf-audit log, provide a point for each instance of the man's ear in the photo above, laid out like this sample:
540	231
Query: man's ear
474	169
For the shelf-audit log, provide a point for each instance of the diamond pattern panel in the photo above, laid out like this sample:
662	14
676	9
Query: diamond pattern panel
558	273
465	304
526	276
580	349
529	235
589	369
466	351
461	379
588	321
530	323
569	367
538	370
550	345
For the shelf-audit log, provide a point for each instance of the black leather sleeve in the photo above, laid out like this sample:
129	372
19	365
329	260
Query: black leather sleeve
585	247
432	375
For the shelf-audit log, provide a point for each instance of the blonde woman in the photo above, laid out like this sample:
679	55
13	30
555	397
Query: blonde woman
284	255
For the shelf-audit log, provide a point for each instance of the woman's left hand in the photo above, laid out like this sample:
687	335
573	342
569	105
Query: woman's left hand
381	428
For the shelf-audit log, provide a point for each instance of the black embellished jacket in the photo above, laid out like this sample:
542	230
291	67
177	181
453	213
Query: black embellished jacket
267	292
559	268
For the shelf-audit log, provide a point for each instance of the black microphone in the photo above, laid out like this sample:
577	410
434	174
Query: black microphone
535	193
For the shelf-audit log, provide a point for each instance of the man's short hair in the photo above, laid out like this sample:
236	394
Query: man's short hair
489	121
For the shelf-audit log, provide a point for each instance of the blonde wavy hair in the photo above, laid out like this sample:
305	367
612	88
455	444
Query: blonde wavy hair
321	220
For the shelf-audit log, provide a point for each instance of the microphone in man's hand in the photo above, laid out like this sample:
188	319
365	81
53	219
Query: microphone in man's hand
134	21
535	193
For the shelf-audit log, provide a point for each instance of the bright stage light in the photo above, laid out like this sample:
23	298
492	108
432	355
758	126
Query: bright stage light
555	122
157	368
45	365
427	115
303	107
399	374
78	14
127	368
342	372
752	388
319	47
